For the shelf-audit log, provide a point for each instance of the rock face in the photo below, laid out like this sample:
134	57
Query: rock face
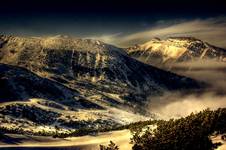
79	74
176	49
17	83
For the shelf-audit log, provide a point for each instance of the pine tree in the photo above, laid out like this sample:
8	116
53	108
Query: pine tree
111	146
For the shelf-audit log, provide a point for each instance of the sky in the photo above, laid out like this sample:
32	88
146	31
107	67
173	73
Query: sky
119	22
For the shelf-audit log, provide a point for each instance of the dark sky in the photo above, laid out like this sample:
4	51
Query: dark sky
116	7
87	18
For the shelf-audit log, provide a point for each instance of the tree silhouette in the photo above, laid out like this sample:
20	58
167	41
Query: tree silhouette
191	132
111	146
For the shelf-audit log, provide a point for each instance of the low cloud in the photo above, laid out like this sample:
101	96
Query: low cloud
176	105
210	71
212	30
107	38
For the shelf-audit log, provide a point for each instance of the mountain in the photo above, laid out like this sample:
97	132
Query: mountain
72	83
176	49
186	56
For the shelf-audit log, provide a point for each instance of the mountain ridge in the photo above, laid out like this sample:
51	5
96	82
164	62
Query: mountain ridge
176	49
106	81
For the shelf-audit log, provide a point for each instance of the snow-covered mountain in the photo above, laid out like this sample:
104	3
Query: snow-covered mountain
81	82
176	49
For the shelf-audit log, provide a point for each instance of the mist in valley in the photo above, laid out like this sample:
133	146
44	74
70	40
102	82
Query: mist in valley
176	105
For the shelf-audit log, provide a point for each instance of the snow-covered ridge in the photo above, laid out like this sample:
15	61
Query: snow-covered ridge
179	49
61	42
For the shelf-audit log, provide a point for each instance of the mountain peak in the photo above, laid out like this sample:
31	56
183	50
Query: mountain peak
177	49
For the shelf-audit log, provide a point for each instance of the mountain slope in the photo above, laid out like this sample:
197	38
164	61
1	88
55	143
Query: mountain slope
176	49
69	60
20	84
185	56
90	83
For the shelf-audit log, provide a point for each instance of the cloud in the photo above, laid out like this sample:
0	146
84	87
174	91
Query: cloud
210	71
107	38
176	105
212	30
